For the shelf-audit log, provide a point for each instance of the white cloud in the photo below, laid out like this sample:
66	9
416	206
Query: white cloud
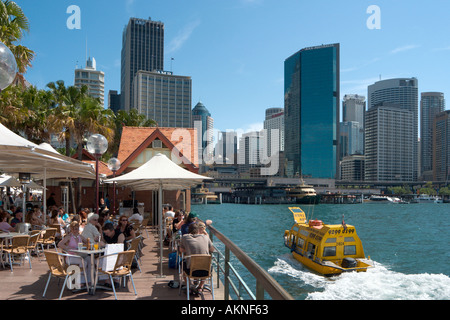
182	36
404	48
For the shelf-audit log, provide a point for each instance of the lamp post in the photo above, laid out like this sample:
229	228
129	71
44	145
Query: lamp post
8	66
97	145
114	165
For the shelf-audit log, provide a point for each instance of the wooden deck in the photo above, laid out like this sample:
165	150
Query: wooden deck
28	284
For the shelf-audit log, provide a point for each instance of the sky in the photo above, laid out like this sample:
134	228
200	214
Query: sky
234	50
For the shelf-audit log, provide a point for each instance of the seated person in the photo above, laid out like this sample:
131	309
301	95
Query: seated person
4	225
91	230
125	228
136	216
111	235
195	243
18	218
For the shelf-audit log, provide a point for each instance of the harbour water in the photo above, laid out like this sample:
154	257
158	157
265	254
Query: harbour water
409	244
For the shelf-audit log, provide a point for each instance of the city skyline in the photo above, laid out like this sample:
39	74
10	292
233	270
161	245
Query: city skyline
234	51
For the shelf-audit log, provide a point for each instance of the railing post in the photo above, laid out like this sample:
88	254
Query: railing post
259	290
227	274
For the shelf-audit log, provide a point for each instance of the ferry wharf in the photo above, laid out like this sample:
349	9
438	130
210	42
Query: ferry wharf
29	284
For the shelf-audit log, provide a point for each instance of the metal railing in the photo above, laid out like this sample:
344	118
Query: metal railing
264	281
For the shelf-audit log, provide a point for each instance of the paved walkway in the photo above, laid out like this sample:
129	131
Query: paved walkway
28	284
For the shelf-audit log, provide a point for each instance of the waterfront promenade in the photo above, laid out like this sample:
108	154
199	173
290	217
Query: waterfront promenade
28	284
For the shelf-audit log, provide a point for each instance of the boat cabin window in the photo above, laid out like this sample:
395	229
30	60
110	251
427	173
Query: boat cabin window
304	233
349	239
311	249
331	240
300	243
349	250
329	251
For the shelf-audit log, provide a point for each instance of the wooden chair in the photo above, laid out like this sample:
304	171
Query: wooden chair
200	269
19	246
48	238
58	269
143	226
32	244
122	268
133	244
58	235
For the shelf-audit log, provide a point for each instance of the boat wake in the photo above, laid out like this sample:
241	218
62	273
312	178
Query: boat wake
377	283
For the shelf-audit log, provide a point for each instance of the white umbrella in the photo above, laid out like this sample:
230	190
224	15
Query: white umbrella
17	154
159	173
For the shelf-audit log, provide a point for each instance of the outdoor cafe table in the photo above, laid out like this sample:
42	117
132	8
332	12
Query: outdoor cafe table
92	253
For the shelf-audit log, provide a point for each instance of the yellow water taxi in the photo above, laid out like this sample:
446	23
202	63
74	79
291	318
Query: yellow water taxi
326	249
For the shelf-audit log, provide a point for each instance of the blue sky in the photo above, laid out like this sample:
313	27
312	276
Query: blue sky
234	50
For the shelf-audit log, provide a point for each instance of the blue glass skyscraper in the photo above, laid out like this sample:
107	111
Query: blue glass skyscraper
311	96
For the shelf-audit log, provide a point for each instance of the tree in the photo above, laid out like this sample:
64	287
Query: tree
13	25
128	119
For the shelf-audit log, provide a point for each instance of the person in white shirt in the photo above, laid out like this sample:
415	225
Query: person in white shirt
136	216
19	200
91	230
168	212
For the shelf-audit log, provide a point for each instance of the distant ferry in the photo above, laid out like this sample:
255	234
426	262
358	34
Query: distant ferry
425	198
326	249
204	196
303	194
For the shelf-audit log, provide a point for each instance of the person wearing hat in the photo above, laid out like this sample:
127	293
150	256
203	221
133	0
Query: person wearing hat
93	229
18	218
188	220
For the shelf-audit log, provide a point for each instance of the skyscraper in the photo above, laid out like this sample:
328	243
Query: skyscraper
164	97
204	123
142	49
401	93
311	93
351	140
431	103
441	147
93	79
389	144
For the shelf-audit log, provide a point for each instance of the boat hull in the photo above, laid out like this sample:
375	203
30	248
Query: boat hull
328	270
308	200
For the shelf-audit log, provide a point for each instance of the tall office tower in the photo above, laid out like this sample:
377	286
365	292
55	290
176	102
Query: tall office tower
353	108
204	123
351	139
390	144
164	97
142	49
441	147
227	148
114	100
431	103
249	151
93	79
311	112
403	93
274	126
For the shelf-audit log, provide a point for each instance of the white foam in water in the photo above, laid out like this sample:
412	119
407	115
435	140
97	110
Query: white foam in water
377	283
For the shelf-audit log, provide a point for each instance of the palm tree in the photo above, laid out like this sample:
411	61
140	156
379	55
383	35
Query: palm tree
13	25
36	112
129	119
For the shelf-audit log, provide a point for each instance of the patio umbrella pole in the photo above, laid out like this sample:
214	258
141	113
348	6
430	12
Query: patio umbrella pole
160	231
